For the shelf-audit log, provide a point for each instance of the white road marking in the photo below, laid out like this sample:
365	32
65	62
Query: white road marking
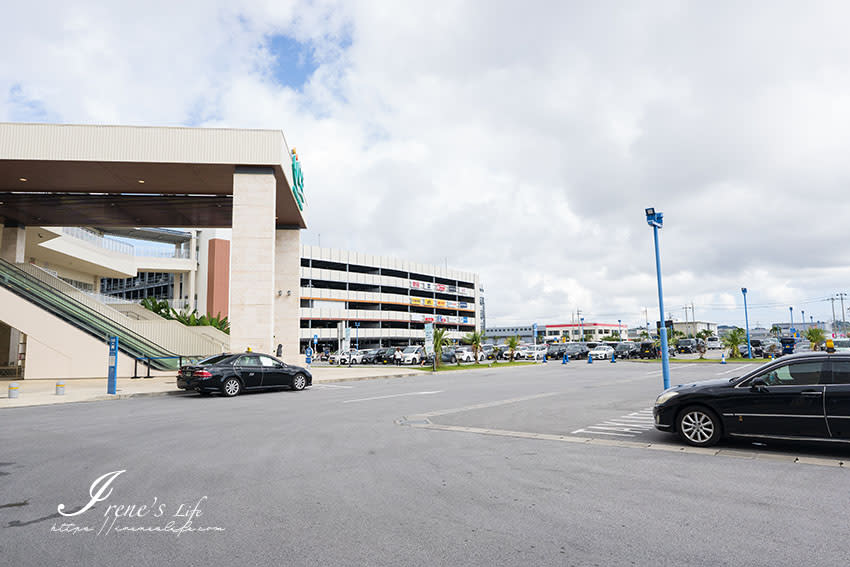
324	386
393	396
628	425
727	371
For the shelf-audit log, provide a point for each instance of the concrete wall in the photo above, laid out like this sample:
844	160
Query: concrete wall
13	243
56	349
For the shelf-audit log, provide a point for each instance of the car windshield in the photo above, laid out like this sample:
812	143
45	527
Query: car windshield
410	350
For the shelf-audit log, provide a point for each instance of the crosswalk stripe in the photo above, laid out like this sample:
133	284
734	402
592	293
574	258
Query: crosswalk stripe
628	425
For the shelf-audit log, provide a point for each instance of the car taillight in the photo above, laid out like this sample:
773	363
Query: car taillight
202	374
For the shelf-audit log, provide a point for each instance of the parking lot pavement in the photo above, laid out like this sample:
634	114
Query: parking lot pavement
340	474
612	403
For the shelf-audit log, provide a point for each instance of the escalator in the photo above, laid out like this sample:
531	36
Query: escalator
84	318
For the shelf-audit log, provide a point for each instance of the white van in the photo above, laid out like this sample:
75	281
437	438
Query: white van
713	343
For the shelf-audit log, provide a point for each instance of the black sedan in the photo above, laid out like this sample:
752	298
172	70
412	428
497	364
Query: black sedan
231	374
798	397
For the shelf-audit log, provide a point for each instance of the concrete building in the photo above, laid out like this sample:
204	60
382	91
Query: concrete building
691	328
382	301
55	178
590	331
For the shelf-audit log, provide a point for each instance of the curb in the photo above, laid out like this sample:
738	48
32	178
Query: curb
105	397
359	378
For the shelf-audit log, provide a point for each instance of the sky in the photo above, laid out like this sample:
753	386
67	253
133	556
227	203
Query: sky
519	141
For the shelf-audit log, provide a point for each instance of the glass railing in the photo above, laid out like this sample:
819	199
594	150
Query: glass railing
114	245
98	240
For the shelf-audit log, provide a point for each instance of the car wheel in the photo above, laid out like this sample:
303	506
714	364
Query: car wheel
231	387
454	360
299	382
698	426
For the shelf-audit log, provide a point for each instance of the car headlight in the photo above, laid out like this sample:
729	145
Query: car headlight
665	397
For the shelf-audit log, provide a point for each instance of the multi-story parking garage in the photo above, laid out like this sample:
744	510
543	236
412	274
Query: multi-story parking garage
381	301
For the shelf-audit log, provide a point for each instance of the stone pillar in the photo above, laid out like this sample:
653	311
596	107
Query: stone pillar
193	274
287	308
252	257
13	245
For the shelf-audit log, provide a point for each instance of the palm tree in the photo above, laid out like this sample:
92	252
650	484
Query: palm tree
644	335
441	339
474	339
161	308
733	340
815	336
704	334
512	343
776	330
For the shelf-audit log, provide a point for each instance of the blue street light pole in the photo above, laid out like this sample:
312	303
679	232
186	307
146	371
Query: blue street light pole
619	329
357	334
803	321
656	220
747	323
791	328
581	326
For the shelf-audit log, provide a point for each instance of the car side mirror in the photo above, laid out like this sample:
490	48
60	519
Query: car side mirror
758	385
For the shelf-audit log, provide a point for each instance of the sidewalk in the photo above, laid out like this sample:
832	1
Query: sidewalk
43	392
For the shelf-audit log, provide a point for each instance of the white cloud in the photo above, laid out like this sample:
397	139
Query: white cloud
521	144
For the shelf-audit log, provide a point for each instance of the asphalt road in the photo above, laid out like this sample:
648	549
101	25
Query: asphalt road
333	476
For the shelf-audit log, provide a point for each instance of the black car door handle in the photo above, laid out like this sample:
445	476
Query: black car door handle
812	393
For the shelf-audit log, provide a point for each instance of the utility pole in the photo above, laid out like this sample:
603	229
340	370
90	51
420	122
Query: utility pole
686	319
843	317
693	319
832	300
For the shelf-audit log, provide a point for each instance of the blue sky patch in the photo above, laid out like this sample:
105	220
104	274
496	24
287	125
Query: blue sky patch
25	109
293	61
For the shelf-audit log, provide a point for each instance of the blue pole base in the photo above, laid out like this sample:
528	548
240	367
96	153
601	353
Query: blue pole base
589	359
613	358
566	359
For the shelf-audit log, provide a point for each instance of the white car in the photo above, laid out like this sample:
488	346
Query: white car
841	345
357	356
713	343
601	352
536	352
412	354
342	356
464	354
524	352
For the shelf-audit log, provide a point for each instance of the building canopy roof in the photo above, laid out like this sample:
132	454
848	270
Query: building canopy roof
131	176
